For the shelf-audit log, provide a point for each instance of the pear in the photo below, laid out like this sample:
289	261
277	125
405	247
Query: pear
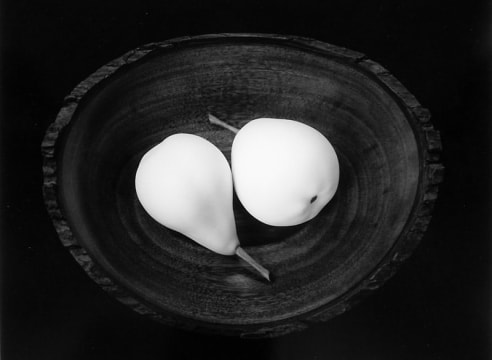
185	184
284	171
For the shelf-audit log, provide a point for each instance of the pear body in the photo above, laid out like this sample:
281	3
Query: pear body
185	184
284	171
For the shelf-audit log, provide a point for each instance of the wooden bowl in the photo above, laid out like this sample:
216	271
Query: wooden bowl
387	148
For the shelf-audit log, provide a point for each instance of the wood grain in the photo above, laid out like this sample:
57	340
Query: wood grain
390	171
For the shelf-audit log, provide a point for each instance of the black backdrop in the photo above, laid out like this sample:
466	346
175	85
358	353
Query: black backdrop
435	307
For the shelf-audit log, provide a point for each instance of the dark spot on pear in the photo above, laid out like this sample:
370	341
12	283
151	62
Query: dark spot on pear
313	199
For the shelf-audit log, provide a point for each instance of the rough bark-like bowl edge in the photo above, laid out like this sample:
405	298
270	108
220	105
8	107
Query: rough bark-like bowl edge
432	172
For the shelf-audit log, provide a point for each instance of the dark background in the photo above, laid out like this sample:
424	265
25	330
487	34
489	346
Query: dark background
435	307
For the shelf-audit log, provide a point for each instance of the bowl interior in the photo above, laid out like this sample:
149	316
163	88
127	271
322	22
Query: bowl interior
172	91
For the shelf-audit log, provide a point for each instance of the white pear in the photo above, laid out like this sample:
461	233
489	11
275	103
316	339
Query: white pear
185	184
284	171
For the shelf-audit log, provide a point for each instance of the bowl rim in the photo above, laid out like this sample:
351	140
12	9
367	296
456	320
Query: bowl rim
430	176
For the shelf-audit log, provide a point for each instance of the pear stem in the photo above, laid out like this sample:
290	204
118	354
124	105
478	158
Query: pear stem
244	255
214	120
